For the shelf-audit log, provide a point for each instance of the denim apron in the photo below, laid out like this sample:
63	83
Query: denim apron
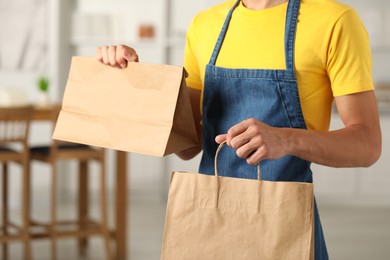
270	96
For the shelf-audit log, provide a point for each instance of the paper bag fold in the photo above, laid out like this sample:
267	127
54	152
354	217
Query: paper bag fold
144	108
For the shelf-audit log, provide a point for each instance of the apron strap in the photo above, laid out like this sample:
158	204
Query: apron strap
291	25
222	34
289	33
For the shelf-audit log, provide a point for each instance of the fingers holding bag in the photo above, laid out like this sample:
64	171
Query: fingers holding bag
117	55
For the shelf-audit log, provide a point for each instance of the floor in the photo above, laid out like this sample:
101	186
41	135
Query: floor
352	233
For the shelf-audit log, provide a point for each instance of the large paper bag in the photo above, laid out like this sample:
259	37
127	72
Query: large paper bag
144	108
224	218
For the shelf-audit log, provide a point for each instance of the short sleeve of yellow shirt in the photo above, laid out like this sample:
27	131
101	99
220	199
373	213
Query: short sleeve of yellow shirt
332	52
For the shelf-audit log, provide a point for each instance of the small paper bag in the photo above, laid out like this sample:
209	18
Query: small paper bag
224	218
144	108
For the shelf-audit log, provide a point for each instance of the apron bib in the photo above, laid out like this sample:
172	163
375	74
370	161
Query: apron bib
270	96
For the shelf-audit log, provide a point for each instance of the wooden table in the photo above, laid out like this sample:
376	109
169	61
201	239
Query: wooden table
120	230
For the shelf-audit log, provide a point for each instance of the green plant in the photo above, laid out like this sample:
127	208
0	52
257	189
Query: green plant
43	84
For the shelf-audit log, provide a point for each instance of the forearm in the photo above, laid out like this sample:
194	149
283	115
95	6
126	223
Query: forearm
357	144
352	146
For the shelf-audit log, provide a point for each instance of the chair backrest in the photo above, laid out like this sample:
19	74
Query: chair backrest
15	124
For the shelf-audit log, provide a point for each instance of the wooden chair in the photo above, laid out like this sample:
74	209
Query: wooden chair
85	227
14	129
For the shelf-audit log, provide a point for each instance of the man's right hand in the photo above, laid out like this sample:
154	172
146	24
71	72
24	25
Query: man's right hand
116	56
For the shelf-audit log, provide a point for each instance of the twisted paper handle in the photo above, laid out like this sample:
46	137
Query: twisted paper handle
216	164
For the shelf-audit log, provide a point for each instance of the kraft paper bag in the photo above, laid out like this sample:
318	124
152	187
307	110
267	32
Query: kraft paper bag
224	218
144	108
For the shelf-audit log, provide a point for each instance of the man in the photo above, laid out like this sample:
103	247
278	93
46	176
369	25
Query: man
263	75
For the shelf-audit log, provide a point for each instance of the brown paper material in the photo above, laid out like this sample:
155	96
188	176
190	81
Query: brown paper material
212	217
144	108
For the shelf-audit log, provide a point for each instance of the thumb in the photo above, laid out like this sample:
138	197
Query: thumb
130	55
220	138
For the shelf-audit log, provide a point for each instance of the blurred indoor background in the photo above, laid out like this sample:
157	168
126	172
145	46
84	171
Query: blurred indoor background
39	37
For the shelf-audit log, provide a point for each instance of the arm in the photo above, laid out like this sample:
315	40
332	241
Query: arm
358	144
195	104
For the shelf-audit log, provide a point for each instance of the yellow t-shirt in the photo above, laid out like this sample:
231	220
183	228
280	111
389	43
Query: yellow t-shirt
332	52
